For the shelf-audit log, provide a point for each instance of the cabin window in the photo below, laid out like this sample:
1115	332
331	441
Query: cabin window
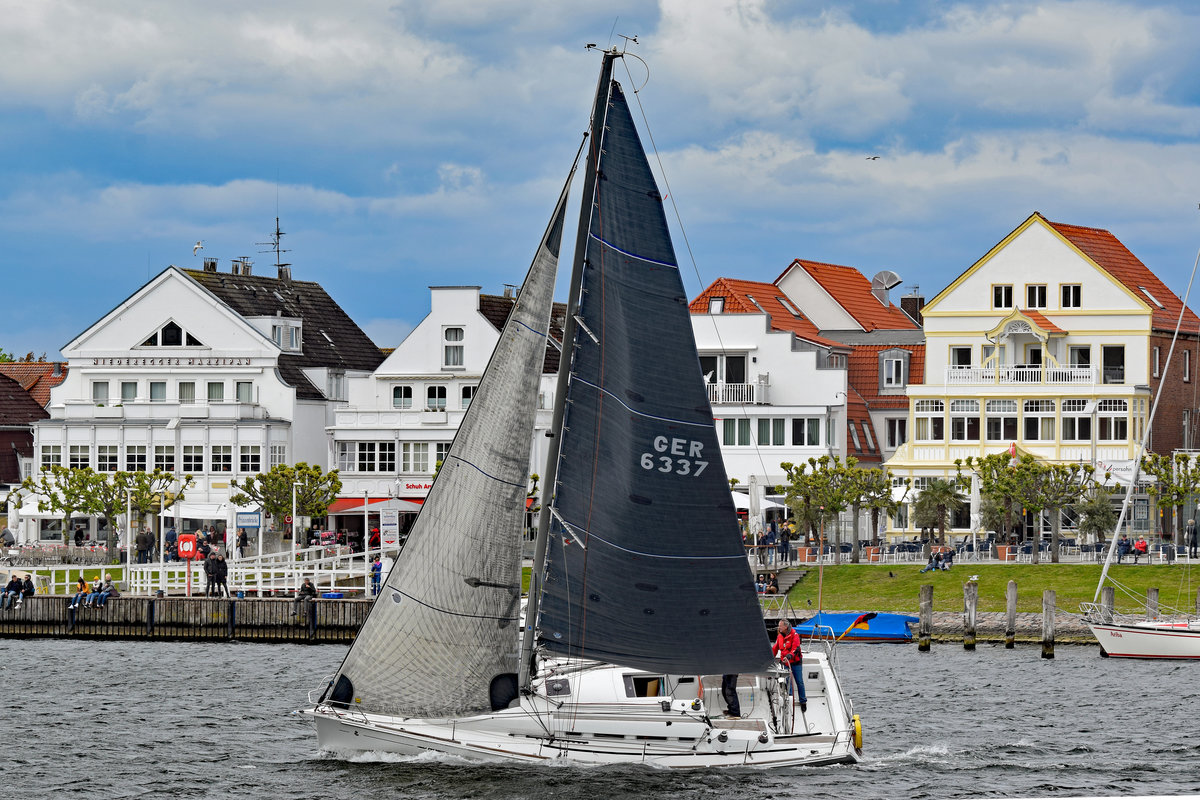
645	685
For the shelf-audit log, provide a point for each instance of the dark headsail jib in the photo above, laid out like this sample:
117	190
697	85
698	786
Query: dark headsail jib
660	581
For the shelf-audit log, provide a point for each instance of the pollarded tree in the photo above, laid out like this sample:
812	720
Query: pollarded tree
1176	479
64	491
315	490
820	490
1060	486
874	492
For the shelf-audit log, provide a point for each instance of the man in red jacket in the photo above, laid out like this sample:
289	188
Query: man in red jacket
787	649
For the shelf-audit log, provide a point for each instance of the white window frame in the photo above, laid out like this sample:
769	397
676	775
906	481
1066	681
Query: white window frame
454	349
398	398
930	417
1071	295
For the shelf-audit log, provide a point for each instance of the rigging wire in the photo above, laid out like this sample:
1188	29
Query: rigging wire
1137	461
670	195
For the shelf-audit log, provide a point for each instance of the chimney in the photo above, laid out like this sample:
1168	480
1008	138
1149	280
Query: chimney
884	281
285	272
911	304
210	265
241	266
508	290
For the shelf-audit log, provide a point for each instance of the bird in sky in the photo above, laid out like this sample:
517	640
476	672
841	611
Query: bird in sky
198	247
872	158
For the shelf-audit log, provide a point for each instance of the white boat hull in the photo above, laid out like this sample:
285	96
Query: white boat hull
1152	639
664	731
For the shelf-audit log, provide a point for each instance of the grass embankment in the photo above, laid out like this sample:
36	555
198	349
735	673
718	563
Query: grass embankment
896	587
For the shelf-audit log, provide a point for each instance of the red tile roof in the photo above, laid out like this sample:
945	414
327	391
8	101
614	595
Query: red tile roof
858	415
852	291
738	294
35	377
1040	319
864	373
1114	258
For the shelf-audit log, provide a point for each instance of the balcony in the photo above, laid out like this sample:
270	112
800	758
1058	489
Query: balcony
1031	374
737	393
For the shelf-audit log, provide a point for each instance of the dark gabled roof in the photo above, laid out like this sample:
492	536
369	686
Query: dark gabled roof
17	406
497	308
331	339
36	377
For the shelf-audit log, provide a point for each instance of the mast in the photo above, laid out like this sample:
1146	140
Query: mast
599	109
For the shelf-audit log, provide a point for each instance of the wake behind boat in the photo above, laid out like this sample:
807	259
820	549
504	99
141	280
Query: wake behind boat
641	598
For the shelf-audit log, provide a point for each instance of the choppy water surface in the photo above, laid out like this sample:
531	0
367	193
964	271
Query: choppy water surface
123	719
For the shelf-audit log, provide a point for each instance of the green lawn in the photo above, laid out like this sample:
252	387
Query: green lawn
896	587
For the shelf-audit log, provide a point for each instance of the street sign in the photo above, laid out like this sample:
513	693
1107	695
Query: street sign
248	519
389	529
287	519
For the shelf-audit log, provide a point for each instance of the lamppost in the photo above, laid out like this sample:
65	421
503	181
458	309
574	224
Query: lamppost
129	536
295	585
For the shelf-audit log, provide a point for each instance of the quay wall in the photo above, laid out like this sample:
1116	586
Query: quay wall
190	618
337	621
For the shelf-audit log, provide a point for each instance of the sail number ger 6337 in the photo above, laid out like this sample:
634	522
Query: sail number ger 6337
672	454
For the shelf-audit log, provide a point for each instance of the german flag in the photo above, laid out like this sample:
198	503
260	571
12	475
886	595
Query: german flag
863	623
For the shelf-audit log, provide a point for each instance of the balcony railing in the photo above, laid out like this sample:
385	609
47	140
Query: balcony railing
737	393
1039	374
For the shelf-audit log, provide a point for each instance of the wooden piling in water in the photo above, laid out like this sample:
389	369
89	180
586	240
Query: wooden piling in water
970	602
1107	602
1048	608
1010	624
925	626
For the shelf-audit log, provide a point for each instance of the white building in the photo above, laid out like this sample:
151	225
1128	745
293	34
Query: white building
217	375
398	422
777	388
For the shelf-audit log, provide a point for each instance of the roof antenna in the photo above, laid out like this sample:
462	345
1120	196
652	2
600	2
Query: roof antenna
274	244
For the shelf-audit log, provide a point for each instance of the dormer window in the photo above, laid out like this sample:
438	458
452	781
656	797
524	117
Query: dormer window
716	305
171	335
286	336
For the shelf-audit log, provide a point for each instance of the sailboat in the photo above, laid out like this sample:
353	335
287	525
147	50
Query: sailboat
641	597
1152	634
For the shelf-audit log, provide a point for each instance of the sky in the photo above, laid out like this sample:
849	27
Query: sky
413	143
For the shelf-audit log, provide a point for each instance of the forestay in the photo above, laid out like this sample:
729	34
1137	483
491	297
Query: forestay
648	570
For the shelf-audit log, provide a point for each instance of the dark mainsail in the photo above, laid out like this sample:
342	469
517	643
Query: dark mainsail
645	565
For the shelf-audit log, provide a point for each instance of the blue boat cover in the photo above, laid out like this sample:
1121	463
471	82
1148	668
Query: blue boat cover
878	627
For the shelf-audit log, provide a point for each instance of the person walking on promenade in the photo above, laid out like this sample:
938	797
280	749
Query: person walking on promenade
785	545
376	575
220	576
787	650
1193	538
242	543
210	575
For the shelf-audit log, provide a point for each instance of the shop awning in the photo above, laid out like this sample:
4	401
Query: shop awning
348	505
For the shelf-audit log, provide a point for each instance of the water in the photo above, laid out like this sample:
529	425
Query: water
188	720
